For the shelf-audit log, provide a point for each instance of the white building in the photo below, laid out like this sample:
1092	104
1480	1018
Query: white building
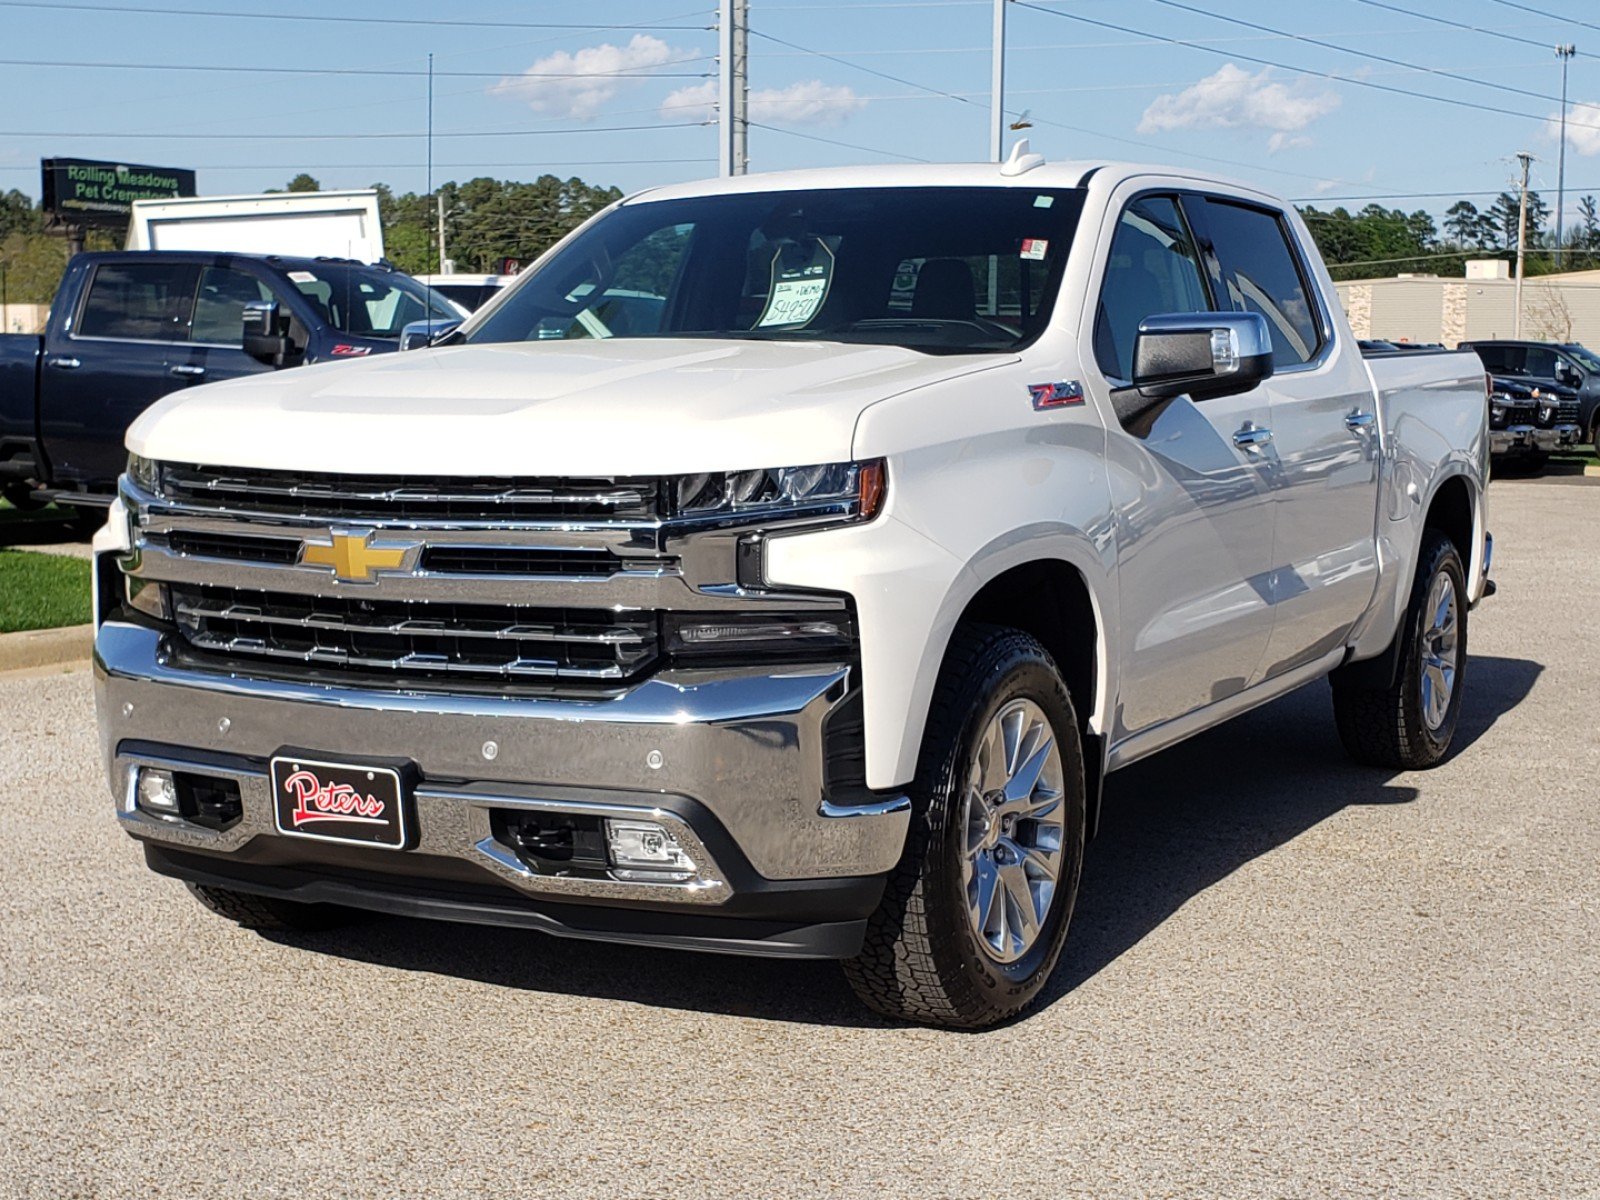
1432	308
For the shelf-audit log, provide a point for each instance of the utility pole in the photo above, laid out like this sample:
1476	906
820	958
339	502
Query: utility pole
733	92
997	86
439	196
1526	160
1565	53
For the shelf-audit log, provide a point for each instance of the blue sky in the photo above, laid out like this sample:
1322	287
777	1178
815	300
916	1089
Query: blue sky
620	105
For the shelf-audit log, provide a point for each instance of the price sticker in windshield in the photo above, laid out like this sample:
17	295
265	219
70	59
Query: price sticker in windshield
800	279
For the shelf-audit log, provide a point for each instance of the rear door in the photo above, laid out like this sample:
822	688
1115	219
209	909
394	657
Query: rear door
1193	516
1322	460
117	357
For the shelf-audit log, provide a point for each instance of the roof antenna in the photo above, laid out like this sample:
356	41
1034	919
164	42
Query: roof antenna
1022	159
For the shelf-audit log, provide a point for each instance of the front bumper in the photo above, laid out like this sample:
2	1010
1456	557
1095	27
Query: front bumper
732	761
1532	439
1513	439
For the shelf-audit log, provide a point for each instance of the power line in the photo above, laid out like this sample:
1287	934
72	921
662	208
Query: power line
812	137
342	20
858	67
1495	33
390	166
1383	58
1539	12
1283	66
634	73
340	137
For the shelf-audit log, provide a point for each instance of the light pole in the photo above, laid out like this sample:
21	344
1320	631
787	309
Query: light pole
1526	160
997	86
1564	53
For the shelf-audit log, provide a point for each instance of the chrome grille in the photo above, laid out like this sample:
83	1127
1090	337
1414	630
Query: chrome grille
414	640
1568	409
379	498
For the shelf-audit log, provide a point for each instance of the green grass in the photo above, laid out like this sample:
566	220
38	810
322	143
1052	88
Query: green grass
42	591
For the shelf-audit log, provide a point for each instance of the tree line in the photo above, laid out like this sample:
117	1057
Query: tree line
488	221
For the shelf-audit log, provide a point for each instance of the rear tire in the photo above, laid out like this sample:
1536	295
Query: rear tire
268	913
974	917
1409	724
20	496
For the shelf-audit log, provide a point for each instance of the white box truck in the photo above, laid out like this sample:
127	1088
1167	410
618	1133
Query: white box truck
302	224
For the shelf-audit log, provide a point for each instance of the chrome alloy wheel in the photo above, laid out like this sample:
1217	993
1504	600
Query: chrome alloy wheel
1011	856
1440	651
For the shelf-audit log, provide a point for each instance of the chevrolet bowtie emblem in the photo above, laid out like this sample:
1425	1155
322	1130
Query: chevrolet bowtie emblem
353	557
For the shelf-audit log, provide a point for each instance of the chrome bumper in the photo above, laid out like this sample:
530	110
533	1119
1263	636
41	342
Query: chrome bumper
1513	438
739	752
1557	437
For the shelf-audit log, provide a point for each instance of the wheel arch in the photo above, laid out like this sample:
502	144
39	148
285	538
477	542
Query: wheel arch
1047	587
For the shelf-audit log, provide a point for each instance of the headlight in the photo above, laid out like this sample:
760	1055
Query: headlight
852	490
144	473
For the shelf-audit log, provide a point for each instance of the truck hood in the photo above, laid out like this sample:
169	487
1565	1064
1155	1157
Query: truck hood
623	407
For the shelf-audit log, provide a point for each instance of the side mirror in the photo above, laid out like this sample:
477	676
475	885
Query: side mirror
1567	374
1202	355
418	335
264	336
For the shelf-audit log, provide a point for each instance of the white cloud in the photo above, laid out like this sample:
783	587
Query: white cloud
1235	99
1286	141
578	84
1583	127
809	103
1324	186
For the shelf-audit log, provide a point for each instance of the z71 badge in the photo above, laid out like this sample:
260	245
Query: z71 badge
1056	395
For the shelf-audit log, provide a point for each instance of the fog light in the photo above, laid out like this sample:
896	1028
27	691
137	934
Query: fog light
157	792
646	850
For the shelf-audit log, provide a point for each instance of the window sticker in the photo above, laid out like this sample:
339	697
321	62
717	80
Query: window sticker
302	276
1034	249
801	274
1043	201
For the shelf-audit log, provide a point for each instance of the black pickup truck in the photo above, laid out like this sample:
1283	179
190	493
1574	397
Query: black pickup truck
1567	368
127	328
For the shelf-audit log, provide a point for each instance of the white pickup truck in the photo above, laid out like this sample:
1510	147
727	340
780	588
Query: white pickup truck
780	567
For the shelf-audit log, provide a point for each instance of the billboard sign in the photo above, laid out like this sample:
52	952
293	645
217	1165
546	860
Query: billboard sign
80	191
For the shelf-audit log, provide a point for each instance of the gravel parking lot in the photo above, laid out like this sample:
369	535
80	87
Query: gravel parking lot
1288	977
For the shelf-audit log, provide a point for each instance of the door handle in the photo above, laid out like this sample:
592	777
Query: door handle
1252	436
62	363
1358	421
186	371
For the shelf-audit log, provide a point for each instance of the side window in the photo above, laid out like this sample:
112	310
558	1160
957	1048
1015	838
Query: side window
149	302
219	305
1262	276
1153	268
1495	359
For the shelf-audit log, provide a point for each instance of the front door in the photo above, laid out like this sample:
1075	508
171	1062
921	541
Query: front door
1323	455
1189	490
124	351
218	332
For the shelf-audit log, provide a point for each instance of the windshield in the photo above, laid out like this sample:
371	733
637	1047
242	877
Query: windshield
367	302
933	269
1586	357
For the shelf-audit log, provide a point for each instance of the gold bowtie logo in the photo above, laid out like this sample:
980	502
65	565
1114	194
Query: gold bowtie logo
353	557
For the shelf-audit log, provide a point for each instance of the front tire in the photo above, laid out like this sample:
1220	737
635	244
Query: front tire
1409	724
267	913
974	917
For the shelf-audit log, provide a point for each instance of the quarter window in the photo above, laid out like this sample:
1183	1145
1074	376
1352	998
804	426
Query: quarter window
1261	275
150	302
1153	268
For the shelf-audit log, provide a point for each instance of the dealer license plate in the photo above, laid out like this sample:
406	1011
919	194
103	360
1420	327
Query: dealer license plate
339	802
